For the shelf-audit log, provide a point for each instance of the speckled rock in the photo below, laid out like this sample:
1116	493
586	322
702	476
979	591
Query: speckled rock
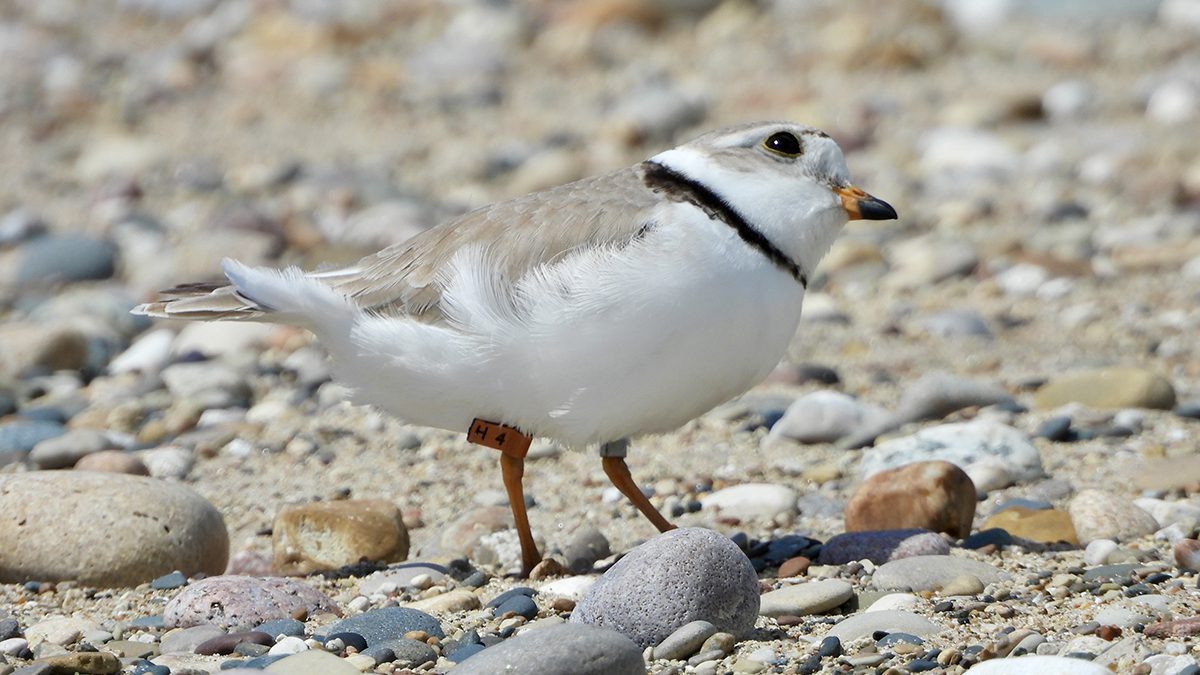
883	546
240	603
576	648
961	444
327	535
389	623
680	576
124	530
931	572
1103	515
1108	388
935	496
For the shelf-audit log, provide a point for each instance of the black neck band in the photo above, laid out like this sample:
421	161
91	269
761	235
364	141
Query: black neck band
679	187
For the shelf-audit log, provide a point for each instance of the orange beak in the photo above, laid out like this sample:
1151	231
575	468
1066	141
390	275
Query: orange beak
862	206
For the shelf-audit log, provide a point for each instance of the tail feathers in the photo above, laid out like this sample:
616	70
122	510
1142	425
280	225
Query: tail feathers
256	294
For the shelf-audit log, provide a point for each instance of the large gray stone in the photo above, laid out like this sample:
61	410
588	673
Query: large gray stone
681	576
825	416
931	572
389	623
573	648
104	529
239	603
961	444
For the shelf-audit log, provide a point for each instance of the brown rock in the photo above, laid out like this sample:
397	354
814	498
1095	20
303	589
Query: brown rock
459	600
794	567
936	496
37	346
225	644
548	569
1187	554
1046	526
113	461
86	663
1108	388
328	535
1177	628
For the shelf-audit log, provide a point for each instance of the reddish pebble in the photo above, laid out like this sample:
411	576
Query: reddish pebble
1179	628
1109	633
562	605
1187	554
548	568
788	620
794	567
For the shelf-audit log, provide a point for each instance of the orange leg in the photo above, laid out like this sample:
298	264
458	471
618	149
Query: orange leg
513	469
619	474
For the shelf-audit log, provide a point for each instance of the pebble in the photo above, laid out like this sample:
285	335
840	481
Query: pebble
17	439
380	625
242	602
113	461
65	258
824	417
962	444
936	496
187	639
1187	554
458	600
210	384
225	643
400	576
327	535
148	354
586	546
1045	526
933	396
1103	515
312	662
91	663
1113	388
930	573
891	621
288	645
1039	665
965	584
124	530
59	630
892	601
1098	551
880	547
685	641
925	260
812	597
169	461
65	450
576	648
684	575
1178	628
956	323
752	501
170	581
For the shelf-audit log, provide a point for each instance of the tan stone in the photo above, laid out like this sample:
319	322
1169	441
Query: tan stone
1108	388
51	347
936	496
86	663
460	600
1041	525
328	535
113	461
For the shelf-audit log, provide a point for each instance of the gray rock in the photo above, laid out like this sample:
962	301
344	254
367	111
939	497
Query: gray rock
956	323
931	572
680	576
64	259
882	546
239	603
64	451
752	501
185	640
961	444
890	620
124	530
400	575
824	417
1097	514
17	439
213	384
148	354
585	547
574	648
389	623
414	652
932	397
812	597
685	641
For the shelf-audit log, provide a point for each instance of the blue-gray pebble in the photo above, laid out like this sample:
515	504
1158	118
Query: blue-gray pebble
279	627
386	624
65	258
575	648
680	576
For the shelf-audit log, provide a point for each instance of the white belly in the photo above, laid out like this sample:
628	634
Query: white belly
600	347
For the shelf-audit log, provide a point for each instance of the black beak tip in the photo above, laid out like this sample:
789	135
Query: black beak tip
876	209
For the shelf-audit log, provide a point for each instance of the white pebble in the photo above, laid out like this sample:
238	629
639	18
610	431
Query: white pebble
288	645
360	603
1173	102
421	581
1098	551
13	646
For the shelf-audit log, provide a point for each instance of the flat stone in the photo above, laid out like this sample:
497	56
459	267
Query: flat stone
113	461
752	501
683	575
576	648
930	573
17	439
824	417
277	627
892	601
59	630
65	258
181	640
935	495
242	602
405	650
813	597
327	535
400	576
892	621
1112	388
883	546
124	530
1039	665
962	444
458	600
685	641
584	548
1103	515
312	662
1044	526
225	644
83	663
64	451
933	396
389	623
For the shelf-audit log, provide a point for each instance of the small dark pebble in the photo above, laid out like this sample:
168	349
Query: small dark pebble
465	652
144	667
1086	629
9	628
522	591
475	579
994	536
1189	409
972	650
279	627
260	662
349	639
943	606
1138	589
1082	656
809	666
741	540
520	605
1156	578
356	570
250	649
381	654
226	644
921	665
166	582
830	647
1056	429
1010	405
896	638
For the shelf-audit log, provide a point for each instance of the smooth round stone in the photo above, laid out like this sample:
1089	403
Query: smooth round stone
405	650
684	575
813	597
148	354
1111	388
824	417
113	461
1039	665
241	602
59	630
169	581
520	605
931	495
891	621
312	662
685	641
570	587
389	623
224	644
65	450
277	627
966	584
17	439
956	323
881	547
576	648
401	576
962	444
124	530
187	639
930	573
586	546
752	501
893	601
1097	514
1187	554
1098	550
65	258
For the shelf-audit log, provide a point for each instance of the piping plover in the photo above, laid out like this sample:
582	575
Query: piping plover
593	312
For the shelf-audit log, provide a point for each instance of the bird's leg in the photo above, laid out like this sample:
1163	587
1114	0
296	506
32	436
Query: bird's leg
613	458
513	446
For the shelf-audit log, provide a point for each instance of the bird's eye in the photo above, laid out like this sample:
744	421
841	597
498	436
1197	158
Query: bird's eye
784	143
